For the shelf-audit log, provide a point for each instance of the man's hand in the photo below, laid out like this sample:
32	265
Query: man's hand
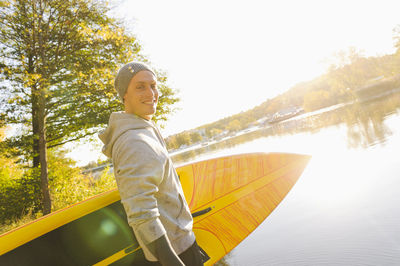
163	251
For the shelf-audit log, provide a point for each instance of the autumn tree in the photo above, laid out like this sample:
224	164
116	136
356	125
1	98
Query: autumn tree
183	138
353	70
58	59
195	137
171	142
215	132
234	126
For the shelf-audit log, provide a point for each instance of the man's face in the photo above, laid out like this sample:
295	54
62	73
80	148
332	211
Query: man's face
141	97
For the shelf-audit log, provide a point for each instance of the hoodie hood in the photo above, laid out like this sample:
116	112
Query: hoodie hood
118	124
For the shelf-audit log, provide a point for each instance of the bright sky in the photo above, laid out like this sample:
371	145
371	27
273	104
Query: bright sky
227	56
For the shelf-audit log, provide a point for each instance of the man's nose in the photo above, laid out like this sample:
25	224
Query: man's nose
150	91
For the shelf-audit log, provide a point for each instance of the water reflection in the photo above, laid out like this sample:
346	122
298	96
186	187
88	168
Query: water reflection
365	122
344	209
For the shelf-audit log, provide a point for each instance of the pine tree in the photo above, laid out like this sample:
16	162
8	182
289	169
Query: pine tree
58	59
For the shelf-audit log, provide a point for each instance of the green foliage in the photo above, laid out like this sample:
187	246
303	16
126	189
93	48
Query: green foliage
67	51
183	138
195	137
68	185
71	51
58	60
20	196
19	192
14	223
7	151
72	189
9	170
166	100
172	143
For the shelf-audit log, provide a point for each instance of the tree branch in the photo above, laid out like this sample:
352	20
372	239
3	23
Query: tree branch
70	140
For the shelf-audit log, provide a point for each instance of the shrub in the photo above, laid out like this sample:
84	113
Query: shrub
18	196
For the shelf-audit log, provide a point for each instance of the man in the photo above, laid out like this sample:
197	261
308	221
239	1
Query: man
147	181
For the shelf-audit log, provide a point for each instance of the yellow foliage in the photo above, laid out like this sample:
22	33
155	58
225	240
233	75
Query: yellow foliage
3	131
9	225
8	169
316	99
77	187
234	125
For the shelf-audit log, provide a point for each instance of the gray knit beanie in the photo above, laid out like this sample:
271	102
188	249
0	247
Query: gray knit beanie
125	74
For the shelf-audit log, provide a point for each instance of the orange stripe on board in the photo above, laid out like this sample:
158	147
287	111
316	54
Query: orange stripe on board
237	188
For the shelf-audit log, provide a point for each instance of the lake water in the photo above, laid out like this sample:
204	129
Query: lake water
345	208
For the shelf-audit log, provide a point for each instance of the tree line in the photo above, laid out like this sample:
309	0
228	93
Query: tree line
350	77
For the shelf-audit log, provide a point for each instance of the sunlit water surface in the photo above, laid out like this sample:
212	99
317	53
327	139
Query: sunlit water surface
344	210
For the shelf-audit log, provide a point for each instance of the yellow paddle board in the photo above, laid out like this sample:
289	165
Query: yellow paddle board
228	196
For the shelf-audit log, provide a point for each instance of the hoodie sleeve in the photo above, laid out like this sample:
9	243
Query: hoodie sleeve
138	171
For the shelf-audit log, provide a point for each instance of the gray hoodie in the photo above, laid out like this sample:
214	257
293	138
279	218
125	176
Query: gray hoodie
148	184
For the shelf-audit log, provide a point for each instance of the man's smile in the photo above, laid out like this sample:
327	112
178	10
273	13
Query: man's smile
150	102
